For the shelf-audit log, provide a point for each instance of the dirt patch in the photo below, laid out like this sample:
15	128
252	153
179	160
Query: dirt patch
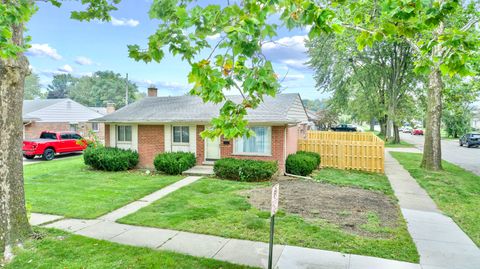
354	210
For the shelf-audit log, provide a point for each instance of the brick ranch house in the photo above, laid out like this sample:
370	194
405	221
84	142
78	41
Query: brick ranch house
167	124
61	115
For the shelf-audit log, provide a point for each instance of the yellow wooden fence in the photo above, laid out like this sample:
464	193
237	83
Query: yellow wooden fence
346	150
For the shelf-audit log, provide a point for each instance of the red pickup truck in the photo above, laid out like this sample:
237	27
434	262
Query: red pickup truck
51	143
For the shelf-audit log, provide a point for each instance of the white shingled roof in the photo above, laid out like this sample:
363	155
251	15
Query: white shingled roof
192	109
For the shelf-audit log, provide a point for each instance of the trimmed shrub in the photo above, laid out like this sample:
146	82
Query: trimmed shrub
300	164
110	159
174	163
245	170
312	154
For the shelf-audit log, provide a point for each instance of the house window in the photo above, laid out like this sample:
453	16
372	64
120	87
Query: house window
95	126
124	133
73	127
260	144
181	134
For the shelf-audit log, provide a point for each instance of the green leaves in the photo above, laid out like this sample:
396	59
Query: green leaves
13	15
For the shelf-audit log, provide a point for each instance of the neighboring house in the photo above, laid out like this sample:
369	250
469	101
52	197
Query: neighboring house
59	115
313	119
164	124
476	119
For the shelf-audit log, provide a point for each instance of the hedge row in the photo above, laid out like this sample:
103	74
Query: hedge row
110	159
302	163
244	170
174	163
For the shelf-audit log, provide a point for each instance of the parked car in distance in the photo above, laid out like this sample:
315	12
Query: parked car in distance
407	129
51	143
417	132
470	140
344	128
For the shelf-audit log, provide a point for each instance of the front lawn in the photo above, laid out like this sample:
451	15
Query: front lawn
389	144
364	180
224	208
72	189
57	249
455	191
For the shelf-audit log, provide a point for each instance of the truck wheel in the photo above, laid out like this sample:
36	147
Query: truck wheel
29	157
48	154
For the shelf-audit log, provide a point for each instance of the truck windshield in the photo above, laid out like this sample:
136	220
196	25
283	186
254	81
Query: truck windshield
48	136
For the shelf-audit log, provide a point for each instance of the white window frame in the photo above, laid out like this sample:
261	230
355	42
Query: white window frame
181	135
95	124
240	140
73	127
118	127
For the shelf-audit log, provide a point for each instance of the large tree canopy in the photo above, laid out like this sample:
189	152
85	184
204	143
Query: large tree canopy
60	86
33	89
103	87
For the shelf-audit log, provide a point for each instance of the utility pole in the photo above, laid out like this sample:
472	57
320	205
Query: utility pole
126	90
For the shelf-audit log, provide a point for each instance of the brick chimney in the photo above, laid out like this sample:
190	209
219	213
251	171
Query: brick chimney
152	91
110	107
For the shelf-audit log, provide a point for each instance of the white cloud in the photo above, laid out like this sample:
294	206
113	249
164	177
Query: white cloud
290	51
65	69
43	50
81	60
124	22
213	37
292	77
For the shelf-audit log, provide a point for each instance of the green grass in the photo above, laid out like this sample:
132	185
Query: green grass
389	144
213	206
70	188
62	250
350	178
455	191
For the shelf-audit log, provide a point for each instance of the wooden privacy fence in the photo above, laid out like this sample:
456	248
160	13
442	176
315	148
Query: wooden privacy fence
346	150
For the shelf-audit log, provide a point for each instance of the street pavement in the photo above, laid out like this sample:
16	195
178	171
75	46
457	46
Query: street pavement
468	158
57	157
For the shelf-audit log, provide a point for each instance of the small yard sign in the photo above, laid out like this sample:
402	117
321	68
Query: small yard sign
275	193
274	209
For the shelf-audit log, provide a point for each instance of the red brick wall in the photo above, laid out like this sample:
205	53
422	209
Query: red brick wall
34	129
278	142
151	142
200	145
107	135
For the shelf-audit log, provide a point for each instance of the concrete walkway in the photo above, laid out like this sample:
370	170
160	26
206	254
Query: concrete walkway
440	242
147	200
199	170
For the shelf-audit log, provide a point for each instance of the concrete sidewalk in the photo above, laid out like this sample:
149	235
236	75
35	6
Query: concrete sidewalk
440	242
226	249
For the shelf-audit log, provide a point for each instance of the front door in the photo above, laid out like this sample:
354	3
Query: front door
212	149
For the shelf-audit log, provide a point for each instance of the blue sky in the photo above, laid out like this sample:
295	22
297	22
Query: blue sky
62	45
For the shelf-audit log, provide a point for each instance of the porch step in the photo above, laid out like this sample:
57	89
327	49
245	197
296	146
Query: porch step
199	170
208	163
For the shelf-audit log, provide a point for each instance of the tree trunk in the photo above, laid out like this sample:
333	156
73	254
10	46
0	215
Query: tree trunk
432	152
14	226
383	125
372	125
396	135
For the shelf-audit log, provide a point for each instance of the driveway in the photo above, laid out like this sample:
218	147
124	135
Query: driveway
468	158
57	157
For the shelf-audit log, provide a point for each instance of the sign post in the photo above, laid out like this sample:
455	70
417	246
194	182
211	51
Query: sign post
274	209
